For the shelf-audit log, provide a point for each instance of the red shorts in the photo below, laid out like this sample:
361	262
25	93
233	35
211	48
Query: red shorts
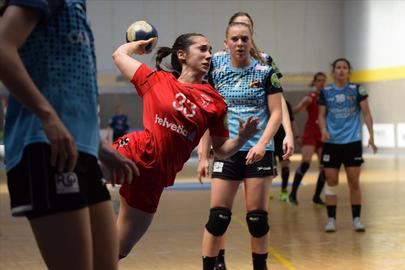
145	191
312	136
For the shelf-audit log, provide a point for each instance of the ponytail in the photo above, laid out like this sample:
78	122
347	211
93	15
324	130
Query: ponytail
160	54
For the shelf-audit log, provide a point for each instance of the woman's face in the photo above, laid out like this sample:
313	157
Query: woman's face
319	82
239	42
341	71
198	56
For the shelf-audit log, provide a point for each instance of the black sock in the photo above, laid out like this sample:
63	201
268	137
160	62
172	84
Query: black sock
259	261
221	256
299	174
331	209
285	174
356	209
319	184
209	262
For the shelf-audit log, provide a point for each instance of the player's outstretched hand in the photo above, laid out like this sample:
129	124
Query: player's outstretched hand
249	128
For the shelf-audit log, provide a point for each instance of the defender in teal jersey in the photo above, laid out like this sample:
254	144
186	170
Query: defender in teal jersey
47	63
341	106
249	87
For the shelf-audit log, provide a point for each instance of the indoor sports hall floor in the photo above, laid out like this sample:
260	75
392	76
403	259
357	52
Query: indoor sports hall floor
297	237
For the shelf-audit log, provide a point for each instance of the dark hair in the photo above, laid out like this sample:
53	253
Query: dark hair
316	77
182	42
254	51
341	59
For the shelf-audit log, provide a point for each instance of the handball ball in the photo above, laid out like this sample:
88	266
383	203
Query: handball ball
142	30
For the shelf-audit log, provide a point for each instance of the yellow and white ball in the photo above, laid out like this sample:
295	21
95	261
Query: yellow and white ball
142	30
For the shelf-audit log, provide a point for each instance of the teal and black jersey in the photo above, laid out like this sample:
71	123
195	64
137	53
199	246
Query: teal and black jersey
343	112
245	90
62	66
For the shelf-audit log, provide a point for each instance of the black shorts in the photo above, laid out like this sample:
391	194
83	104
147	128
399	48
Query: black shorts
350	154
37	190
234	168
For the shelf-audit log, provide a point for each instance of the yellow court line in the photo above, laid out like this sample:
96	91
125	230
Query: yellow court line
280	258
379	74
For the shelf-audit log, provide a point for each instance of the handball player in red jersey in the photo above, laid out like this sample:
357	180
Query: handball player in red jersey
178	108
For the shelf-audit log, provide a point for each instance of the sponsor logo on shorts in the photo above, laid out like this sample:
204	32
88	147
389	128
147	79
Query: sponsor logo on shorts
179	129
261	168
218	166
67	183
358	158
223	216
326	158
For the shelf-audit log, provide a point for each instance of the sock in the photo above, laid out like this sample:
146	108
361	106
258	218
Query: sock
356	209
285	174
209	262
221	256
299	174
319	184
259	261
331	209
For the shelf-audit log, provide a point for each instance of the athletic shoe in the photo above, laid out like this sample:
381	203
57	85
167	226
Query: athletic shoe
358	226
220	266
318	201
283	196
331	225
292	200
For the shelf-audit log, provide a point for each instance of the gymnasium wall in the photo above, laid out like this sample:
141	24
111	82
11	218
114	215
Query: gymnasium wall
302	35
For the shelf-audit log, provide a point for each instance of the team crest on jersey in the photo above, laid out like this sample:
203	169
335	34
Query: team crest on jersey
275	81
123	142
254	84
362	91
205	100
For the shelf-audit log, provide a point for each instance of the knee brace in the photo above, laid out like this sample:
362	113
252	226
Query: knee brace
303	168
218	221
257	223
330	190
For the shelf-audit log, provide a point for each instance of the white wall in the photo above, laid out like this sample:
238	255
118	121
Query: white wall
301	35
374	33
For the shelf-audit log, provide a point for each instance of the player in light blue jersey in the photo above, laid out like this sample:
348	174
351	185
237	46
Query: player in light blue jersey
249	88
47	63
341	106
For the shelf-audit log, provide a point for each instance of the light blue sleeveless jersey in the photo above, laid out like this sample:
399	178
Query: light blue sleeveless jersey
343	113
245	91
62	64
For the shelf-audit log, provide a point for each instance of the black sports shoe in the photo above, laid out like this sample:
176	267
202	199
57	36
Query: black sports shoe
220	266
292	199
318	201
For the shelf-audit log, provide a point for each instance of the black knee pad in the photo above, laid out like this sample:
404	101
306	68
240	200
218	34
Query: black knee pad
257	223
218	221
303	168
